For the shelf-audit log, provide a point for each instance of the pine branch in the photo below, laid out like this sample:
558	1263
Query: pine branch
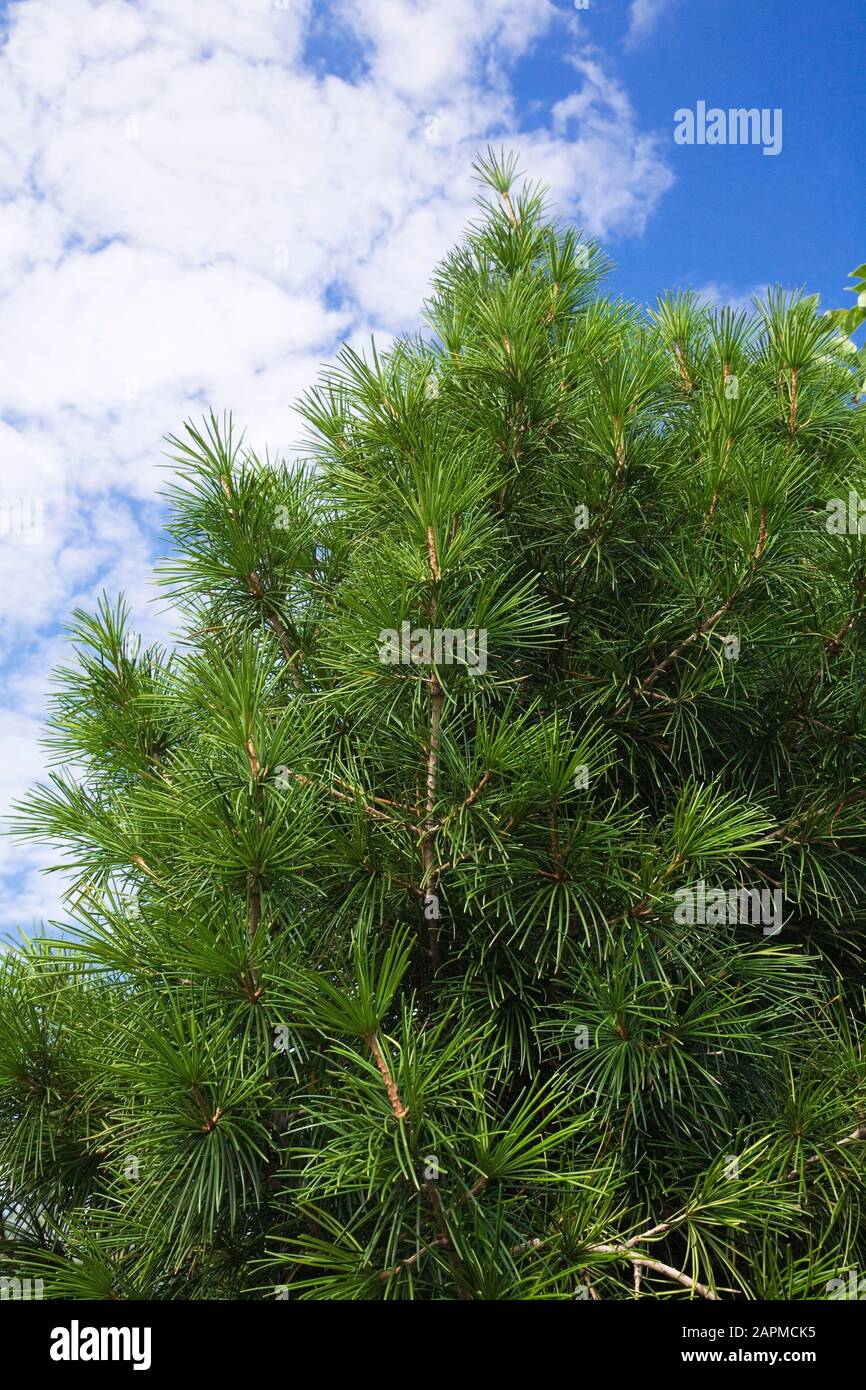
858	1136
399	1109
703	628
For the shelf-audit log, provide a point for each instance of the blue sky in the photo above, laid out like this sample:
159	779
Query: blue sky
736	216
720	222
198	202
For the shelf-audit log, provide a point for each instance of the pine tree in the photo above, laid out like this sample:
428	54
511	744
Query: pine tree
470	906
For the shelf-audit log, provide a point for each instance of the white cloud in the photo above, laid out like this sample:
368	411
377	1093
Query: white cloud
614	174
718	294
424	48
193	213
643	16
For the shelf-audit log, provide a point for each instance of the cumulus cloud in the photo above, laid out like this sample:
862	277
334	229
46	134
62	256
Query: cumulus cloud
614	174
197	203
643	16
719	294
425	49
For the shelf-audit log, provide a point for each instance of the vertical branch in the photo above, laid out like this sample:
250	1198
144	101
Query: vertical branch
400	1110
620	452
792	415
708	623
682	367
209	1121
278	627
254	988
554	838
255	587
725	457
835	644
428	1186
254	889
428	855
254	883
427	843
453	1258
512	216
432	556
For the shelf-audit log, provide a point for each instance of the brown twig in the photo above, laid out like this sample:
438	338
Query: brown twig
835	644
454	1259
476	791
683	369
554	840
400	1110
512	217
428	855
352	800
255	911
704	627
857	1137
428	840
442	1240
626	1250
619	453
277	625
137	859
413	1259
210	1121
432	556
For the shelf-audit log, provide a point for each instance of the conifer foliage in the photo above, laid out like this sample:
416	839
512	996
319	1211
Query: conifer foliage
470	906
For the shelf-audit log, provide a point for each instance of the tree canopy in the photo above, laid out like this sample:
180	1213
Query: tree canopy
470	906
